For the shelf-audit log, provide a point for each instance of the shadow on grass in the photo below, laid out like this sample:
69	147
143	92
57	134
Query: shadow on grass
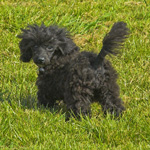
30	102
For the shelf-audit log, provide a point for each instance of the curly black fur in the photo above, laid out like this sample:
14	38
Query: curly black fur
77	78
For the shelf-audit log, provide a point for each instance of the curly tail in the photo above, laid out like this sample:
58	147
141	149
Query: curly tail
113	41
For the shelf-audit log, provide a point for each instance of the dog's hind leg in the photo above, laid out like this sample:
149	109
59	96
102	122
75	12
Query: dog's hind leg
110	100
113	105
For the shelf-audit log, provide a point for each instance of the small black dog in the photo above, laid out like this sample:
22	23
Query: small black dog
77	78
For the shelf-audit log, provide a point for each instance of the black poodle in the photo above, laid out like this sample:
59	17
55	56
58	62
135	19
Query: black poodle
65	73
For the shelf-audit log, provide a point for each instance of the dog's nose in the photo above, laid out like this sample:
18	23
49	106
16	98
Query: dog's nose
41	60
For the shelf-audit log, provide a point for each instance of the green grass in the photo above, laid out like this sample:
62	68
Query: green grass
24	126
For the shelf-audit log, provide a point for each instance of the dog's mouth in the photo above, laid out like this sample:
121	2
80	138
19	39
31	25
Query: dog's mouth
40	65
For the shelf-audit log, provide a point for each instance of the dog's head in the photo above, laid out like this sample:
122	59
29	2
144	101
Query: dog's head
42	43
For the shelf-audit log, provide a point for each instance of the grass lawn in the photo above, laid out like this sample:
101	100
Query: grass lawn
24	126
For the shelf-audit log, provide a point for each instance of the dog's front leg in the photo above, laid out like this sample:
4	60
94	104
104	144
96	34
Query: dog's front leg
44	99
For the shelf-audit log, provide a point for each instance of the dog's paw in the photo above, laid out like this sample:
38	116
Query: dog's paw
114	110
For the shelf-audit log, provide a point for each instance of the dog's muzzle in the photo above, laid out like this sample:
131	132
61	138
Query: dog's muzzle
41	60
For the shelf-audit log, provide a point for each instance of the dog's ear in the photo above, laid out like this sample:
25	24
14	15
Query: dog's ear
25	50
62	47
67	47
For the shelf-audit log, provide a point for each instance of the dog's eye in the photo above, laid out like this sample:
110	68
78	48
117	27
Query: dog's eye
35	47
50	48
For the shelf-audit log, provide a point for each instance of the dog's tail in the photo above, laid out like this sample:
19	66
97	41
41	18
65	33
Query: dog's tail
113	41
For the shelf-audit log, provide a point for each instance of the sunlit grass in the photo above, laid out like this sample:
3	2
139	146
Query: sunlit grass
25	126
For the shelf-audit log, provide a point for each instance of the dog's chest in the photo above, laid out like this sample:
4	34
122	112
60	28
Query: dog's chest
52	79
